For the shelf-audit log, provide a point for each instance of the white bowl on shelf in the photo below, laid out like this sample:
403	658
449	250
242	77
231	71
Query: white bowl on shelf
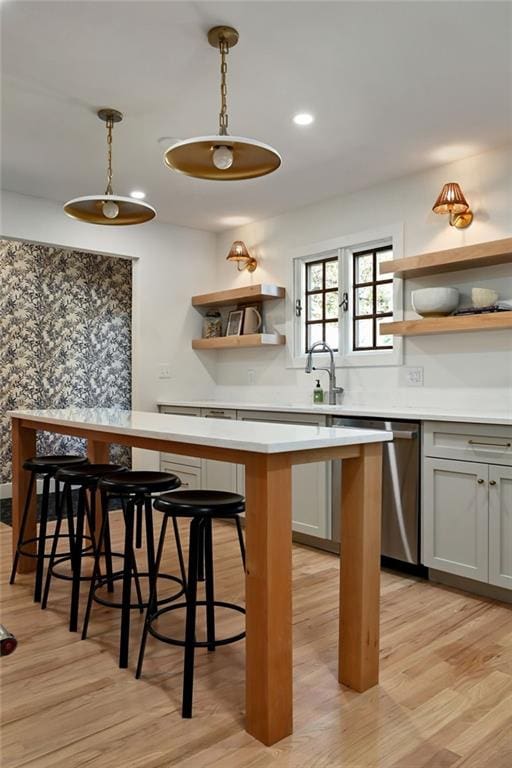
435	302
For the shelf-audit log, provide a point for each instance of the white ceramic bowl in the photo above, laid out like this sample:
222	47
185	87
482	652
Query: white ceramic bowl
435	302
483	297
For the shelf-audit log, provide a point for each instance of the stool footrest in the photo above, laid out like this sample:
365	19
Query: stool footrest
118	575
51	537
88	552
197	643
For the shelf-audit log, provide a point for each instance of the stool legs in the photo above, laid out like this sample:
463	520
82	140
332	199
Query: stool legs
59	503
209	588
76	562
41	546
96	568
127	585
240	539
152	604
195	553
23	526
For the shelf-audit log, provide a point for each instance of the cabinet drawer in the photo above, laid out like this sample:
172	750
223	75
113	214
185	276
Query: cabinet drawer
190	476
180	410
468	442
218	413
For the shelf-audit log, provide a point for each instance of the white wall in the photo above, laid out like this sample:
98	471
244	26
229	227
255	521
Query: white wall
460	370
171	264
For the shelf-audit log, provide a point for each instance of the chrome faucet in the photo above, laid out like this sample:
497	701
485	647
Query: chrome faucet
334	391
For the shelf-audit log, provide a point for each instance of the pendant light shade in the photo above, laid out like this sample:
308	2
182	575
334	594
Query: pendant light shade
249	158
109	209
221	157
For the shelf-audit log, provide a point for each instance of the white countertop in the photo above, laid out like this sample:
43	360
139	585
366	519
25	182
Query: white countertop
259	437
413	413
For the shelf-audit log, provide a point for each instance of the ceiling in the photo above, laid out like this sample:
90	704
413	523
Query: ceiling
395	87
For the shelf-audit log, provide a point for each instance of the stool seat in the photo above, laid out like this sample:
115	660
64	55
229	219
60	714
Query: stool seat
139	482
50	464
196	502
87	475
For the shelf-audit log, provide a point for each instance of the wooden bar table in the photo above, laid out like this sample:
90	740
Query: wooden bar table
268	452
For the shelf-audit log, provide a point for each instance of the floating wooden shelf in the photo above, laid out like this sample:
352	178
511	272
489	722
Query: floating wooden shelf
452	324
249	293
239	342
468	257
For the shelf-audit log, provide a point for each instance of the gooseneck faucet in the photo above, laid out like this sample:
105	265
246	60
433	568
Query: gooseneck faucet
334	391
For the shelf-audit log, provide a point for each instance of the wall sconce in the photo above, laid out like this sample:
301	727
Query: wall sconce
452	201
239	253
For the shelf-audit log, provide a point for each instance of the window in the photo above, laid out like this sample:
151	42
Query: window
342	298
321	299
372	299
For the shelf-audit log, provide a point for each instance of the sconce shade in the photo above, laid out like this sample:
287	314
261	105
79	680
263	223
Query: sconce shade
239	253
451	200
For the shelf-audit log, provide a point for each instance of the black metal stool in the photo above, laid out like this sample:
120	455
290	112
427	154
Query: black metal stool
202	507
86	477
134	488
47	466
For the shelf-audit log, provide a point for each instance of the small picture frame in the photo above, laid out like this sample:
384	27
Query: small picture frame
235	321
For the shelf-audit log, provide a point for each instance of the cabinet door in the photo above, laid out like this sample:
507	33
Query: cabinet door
190	476
311	483
455	517
177	458
218	475
500	526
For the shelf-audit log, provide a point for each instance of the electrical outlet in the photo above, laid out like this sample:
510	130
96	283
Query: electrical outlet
251	375
164	371
414	377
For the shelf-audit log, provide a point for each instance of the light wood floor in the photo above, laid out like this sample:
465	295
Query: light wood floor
445	698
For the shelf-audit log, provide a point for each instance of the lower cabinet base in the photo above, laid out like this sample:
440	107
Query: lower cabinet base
469	585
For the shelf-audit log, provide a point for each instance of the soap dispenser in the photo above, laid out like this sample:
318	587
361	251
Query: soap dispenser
318	393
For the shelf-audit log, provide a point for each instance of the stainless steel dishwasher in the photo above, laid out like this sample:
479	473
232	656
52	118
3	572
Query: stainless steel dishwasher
400	488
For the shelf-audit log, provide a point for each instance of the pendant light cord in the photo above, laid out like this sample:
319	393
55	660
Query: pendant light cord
110	124
223	115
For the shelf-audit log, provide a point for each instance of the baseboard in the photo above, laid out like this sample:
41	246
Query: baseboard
469	585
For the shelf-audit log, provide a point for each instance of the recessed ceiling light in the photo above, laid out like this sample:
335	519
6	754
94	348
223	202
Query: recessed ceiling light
138	194
303	118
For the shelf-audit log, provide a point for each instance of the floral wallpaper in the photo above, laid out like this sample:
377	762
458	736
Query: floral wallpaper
65	338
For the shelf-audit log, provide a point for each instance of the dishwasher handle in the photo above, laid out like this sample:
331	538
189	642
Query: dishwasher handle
404	434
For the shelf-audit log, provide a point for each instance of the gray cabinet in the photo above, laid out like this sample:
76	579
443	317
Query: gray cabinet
500	526
455	517
467	501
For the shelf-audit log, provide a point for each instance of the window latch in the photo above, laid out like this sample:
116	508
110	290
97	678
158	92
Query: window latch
344	302
298	308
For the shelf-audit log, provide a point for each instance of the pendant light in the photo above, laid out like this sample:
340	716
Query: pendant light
109	209
222	157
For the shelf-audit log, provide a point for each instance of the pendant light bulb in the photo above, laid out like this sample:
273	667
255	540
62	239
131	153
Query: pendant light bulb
222	158
110	209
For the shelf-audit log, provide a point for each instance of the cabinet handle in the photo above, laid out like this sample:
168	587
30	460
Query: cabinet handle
499	445
492	482
480	481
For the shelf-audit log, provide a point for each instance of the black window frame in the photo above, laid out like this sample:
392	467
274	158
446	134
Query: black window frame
323	321
373	284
